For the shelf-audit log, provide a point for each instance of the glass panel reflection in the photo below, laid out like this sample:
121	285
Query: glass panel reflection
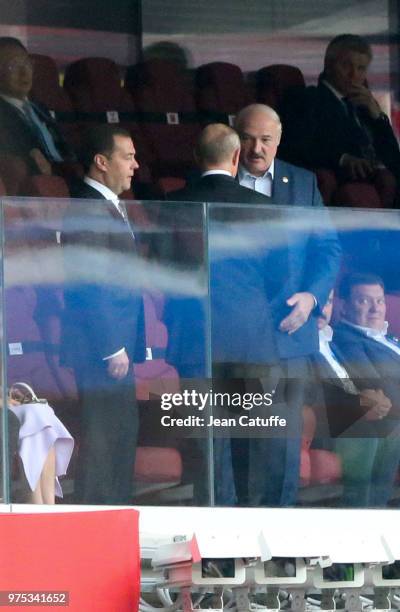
83	286
303	310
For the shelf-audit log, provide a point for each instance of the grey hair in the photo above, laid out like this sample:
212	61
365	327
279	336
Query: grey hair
216	144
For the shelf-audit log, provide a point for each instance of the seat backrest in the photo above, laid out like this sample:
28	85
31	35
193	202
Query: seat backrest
221	87
94	85
276	82
46	87
45	187
14	172
358	195
169	122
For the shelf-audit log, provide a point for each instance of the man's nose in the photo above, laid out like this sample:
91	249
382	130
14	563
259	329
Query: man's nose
256	146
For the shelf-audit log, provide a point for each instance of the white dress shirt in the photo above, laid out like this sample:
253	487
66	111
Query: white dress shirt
325	338
263	184
211	172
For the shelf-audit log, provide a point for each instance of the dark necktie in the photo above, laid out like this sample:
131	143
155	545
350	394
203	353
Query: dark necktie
360	132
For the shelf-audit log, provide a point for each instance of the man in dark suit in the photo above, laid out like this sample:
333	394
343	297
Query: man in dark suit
356	423
338	124
372	359
300	275
103	326
26	129
242	337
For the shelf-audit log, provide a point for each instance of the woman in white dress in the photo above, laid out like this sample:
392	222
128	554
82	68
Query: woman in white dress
45	446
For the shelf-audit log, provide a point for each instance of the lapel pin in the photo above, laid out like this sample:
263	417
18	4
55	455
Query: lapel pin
285	179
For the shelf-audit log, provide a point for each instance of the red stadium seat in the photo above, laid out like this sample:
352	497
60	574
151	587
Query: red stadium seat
94	86
220	89
276	83
169	119
33	342
13	171
317	467
357	195
46	90
3	191
45	187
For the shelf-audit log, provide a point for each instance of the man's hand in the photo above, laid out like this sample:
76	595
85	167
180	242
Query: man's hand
303	305
356	167
362	96
376	402
118	366
43	165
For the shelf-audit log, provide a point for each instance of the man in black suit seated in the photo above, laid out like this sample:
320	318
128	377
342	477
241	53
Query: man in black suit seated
27	130
356	420
372	359
103	324
338	124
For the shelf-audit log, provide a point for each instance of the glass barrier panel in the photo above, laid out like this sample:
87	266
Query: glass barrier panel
304	307
95	302
8	430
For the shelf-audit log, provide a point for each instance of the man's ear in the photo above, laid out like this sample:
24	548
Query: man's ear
100	161
236	157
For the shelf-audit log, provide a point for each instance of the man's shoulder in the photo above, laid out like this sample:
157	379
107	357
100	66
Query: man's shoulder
343	333
79	189
217	188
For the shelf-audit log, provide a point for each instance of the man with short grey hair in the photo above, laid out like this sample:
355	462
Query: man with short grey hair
339	124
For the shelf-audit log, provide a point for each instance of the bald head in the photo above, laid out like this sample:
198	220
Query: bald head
218	148
260	130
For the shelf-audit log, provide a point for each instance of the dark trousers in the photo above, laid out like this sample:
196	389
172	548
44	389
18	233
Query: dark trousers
274	460
109	427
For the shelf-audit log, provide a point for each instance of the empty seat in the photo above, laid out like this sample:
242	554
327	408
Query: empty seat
168	114
358	195
45	187
46	90
221	91
94	86
13	171
33	342
276	83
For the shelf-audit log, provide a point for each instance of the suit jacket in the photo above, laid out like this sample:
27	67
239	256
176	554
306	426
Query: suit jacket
241	320
344	414
285	264
103	310
318	131
309	260
371	364
18	138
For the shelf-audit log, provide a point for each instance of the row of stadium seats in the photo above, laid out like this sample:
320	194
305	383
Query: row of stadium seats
164	108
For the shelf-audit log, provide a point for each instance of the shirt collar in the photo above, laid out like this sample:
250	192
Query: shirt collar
212	172
326	334
368	331
105	191
243	172
15	101
335	92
